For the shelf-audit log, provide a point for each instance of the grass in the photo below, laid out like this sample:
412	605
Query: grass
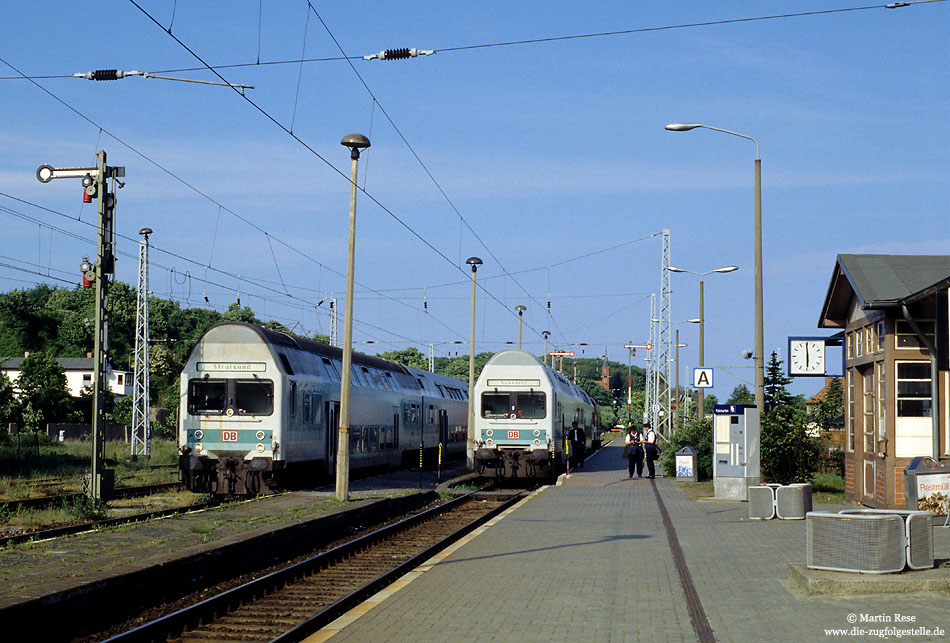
51	468
826	489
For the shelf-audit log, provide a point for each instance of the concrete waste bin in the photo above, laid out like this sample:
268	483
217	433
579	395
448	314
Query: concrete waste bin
687	467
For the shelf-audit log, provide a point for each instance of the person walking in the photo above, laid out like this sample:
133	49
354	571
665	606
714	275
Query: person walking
578	444
634	452
649	448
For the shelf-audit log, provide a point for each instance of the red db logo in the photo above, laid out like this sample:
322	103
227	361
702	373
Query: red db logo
229	436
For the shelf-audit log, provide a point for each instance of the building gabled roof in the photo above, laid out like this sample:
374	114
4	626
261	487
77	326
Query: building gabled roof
879	281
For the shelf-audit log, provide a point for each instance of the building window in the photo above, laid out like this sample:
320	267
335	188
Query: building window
906	337
881	396
86	378
859	342
869	340
880	335
851	410
913	389
869	411
849	340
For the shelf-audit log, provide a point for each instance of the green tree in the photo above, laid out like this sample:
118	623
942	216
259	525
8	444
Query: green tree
696	434
9	409
830	405
775	382
44	393
788	453
409	357
741	395
709	403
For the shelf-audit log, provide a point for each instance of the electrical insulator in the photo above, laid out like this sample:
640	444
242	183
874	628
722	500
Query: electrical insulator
396	54
105	74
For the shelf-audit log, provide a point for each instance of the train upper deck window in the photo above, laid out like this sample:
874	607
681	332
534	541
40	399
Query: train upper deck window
527	406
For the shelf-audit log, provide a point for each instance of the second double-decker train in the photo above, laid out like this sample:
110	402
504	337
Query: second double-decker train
523	410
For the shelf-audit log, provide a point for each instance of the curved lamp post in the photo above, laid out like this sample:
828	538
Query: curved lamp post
474	262
759	332
355	142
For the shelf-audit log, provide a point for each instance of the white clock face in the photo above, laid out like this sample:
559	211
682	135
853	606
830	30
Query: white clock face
807	357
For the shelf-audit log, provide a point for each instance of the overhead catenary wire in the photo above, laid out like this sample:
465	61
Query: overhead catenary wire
526	41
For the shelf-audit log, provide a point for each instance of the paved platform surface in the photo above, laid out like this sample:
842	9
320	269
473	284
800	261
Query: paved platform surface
592	560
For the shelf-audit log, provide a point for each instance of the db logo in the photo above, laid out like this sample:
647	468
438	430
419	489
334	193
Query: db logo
229	436
514	435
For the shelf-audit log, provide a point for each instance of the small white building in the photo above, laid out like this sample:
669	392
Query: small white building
78	375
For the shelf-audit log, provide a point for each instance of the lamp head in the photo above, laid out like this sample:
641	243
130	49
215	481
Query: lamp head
726	269
145	232
520	309
474	262
682	127
675	269
355	142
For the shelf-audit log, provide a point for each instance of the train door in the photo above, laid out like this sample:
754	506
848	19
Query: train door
443	427
333	432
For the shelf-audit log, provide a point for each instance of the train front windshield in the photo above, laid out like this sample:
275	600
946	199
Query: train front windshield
527	406
242	397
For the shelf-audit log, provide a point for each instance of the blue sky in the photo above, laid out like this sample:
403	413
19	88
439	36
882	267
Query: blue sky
549	160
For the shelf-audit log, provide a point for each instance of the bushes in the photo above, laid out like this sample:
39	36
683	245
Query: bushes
789	454
696	434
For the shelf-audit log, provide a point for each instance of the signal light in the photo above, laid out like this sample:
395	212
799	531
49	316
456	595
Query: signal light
86	197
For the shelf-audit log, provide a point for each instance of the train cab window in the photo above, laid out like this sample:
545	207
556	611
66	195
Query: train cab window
530	405
207	396
494	405
254	397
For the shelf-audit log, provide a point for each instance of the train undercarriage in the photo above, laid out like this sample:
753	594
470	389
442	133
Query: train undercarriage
515	463
228	475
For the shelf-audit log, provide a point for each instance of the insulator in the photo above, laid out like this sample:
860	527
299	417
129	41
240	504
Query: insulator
105	74
394	54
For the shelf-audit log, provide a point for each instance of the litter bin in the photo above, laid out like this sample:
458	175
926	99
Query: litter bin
687	469
927	485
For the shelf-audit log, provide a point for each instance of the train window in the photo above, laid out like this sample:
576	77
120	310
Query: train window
286	363
530	405
386	381
439	389
372	438
356	439
431	414
307	409
207	396
254	397
494	405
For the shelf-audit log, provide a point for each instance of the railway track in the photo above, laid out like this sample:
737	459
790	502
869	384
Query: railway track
292	603
45	502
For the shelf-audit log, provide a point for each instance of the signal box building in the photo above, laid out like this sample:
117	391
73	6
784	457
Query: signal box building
892	312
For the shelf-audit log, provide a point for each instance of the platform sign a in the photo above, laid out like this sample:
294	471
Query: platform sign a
702	378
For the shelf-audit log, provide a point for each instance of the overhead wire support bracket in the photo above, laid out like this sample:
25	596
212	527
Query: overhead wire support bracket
116	74
398	54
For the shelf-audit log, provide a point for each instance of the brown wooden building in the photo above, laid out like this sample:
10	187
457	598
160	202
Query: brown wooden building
892	310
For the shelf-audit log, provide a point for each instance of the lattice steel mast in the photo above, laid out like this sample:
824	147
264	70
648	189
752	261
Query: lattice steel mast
664	395
141	430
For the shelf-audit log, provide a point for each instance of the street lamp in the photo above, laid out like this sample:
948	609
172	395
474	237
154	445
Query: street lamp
520	310
759	333
355	142
474	262
702	319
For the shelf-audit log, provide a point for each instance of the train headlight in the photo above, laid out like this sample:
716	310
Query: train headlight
260	435
537	443
489	442
537	433
489	432
260	448
199	434
198	447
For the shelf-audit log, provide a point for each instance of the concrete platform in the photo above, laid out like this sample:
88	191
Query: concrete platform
605	558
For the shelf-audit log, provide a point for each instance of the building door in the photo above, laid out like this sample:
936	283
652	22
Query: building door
869	415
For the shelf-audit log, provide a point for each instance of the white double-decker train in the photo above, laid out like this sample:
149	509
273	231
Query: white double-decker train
258	406
523	410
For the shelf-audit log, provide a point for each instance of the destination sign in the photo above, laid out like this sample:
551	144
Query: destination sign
513	382
233	367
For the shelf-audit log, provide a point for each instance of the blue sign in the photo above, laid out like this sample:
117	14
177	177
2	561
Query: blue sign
731	409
